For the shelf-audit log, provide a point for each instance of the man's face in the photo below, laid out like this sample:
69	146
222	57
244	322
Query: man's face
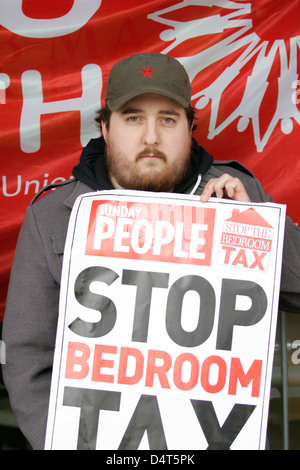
148	144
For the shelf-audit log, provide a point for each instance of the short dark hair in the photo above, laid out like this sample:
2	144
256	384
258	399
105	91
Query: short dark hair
104	114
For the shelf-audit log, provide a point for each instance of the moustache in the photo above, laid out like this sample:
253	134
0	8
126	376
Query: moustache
151	151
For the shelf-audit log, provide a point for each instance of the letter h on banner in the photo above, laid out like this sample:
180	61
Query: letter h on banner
34	106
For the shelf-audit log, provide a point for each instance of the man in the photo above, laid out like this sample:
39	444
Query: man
146	144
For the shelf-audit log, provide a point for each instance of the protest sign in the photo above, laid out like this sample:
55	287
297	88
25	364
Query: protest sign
167	323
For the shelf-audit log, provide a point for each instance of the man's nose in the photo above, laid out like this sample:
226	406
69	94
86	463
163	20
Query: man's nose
151	133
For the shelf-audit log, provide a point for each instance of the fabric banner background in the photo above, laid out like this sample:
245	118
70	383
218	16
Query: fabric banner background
241	56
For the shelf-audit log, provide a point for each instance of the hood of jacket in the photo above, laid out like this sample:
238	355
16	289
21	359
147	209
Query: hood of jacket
91	168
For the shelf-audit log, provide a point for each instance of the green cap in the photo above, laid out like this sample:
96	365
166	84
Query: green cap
148	72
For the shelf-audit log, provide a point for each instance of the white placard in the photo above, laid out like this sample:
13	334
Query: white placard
167	323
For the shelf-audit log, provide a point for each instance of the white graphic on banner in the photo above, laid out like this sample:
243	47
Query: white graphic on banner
250	45
13	18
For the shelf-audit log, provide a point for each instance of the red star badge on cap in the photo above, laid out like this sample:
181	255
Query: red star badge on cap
147	72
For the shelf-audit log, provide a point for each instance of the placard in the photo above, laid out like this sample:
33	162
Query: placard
167	323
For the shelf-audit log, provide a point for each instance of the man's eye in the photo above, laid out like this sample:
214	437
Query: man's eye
168	120
133	118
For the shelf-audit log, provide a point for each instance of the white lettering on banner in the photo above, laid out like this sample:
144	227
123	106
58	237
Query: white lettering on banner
34	106
13	18
13	188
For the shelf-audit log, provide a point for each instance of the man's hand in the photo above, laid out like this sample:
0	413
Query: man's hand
227	187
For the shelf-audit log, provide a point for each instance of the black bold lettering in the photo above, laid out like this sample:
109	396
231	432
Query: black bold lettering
221	438
146	418
206	311
145	282
94	301
90	402
230	316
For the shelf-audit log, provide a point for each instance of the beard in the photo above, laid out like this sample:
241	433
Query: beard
153	176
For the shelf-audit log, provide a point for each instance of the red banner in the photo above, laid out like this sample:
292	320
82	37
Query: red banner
241	56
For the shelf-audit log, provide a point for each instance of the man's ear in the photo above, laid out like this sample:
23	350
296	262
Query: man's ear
104	130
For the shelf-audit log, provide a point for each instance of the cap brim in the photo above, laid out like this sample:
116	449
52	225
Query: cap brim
117	103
